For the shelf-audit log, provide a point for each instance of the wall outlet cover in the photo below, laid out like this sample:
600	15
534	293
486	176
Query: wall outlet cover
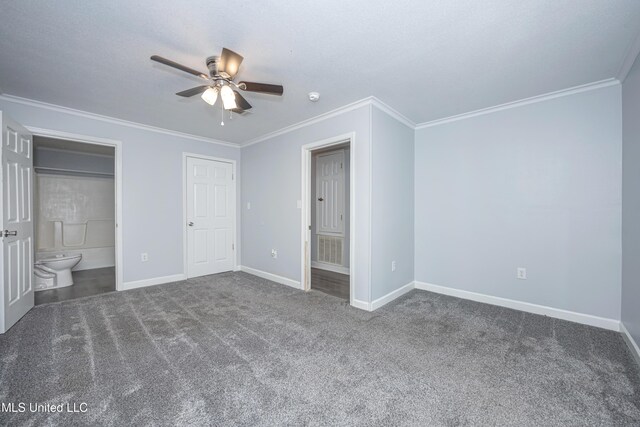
144	257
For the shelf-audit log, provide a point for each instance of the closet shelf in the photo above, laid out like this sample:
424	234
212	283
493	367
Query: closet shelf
59	171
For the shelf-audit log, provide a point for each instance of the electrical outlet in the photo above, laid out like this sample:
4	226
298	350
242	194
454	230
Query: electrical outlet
144	257
393	266
274	253
521	273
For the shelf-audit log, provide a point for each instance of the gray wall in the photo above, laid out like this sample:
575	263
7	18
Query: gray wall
392	204
151	184
631	202
271	182
536	186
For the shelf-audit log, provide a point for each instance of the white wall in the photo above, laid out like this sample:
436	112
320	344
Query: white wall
536	186
152	184
392	204
271	182
75	215
631	202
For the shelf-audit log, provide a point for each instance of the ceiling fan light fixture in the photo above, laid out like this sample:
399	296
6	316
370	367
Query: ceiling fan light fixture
210	95
228	97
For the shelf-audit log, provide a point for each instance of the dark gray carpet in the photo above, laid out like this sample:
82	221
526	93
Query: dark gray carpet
236	349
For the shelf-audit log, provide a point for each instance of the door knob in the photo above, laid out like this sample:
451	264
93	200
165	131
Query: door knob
320	199
190	223
8	233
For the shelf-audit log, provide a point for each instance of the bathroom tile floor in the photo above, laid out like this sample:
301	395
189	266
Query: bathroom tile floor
85	283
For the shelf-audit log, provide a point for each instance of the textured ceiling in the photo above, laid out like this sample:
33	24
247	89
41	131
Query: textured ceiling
426	59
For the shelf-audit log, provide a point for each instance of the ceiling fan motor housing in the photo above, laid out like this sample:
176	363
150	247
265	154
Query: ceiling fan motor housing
212	65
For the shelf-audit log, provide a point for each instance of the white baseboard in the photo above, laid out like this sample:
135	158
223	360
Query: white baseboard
572	316
272	277
329	267
391	296
151	282
633	346
362	305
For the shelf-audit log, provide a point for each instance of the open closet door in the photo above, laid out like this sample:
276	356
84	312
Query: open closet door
16	216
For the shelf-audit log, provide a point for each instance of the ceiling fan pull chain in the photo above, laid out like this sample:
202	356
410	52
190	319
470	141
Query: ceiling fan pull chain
222	111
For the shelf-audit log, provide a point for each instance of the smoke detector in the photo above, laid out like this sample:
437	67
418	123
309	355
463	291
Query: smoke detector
314	96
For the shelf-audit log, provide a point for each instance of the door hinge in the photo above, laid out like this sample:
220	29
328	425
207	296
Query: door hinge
233	246
340	217
340	165
232	176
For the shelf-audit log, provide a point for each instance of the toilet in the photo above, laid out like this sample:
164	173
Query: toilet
45	278
60	266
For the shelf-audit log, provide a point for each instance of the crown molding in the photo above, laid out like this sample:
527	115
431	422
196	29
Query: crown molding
113	120
369	101
630	58
316	119
393	113
513	104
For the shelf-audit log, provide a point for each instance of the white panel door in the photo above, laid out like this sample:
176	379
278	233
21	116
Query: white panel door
17	222
330	193
211	216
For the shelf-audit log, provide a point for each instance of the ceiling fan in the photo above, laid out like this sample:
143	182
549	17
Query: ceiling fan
222	70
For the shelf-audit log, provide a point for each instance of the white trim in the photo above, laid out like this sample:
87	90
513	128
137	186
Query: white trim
629	59
362	305
152	282
185	155
370	207
376	304
534	99
633	346
305	212
572	316
113	120
371	100
330	267
385	108
273	277
117	177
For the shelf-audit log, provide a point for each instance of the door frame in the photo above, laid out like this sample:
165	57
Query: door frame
185	258
117	178
305	215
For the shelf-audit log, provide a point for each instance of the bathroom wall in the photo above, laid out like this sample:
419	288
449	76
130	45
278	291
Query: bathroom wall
75	206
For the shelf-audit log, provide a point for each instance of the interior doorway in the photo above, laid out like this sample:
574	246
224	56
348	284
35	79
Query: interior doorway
328	212
75	219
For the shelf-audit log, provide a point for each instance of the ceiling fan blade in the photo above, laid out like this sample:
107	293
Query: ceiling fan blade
180	67
261	87
229	63
241	102
193	91
238	110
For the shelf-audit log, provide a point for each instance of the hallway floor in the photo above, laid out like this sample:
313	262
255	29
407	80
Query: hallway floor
331	283
85	283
